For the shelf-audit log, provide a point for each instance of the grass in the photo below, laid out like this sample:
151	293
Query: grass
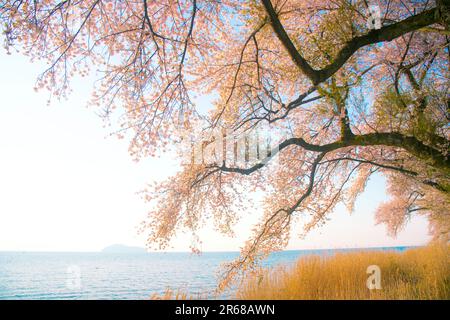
170	294
420	273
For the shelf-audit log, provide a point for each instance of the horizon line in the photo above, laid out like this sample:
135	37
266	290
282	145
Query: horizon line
209	251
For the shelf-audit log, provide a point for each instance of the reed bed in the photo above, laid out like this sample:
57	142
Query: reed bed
418	273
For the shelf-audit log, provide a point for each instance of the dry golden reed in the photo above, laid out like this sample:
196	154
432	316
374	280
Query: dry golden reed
419	273
180	294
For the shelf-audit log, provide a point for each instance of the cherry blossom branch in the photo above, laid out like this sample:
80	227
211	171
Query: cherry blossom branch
386	33
393	139
428	182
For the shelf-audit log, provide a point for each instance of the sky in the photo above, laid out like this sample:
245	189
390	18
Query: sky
66	184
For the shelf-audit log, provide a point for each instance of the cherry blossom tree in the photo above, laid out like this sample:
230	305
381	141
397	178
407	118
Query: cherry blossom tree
360	86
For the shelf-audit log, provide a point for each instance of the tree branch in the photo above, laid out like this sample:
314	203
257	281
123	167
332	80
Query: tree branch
414	146
386	33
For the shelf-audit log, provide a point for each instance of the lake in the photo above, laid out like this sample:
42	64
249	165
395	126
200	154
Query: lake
70	275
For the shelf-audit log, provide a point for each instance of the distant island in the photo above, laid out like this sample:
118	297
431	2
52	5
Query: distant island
120	248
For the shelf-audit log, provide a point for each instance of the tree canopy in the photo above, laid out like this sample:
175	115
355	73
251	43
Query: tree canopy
361	87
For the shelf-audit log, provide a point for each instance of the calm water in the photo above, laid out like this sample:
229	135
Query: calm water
34	275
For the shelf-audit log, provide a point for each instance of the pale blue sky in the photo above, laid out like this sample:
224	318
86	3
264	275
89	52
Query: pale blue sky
66	185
